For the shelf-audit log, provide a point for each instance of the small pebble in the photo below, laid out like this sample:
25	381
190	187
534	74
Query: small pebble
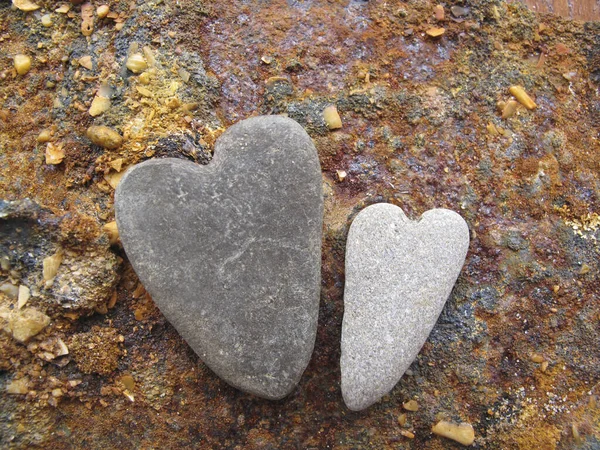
435	32
522	97
584	269
112	232
144	78
509	109
341	174
23	324
438	11
50	266
116	164
537	358
104	137
57	392
114	178
136	63
411	405
459	11
407	434
102	11
332	118
99	105
47	20
54	153
44	135
9	290
24	294
86	61
22	64
18	386
462	433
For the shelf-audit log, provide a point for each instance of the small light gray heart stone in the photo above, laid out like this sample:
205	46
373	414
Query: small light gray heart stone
231	251
399	274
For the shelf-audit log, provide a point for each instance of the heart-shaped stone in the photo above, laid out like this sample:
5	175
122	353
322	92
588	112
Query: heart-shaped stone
231	251
399	274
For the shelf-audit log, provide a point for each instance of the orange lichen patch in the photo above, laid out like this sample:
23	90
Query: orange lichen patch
542	435
97	351
77	228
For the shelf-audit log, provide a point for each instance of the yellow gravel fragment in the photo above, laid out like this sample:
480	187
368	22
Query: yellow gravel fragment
22	64
332	118
462	433
522	97
435	32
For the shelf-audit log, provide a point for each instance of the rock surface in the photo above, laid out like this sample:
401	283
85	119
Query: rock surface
231	251
399	274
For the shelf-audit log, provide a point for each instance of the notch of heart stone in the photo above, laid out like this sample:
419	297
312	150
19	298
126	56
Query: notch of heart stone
231	252
399	274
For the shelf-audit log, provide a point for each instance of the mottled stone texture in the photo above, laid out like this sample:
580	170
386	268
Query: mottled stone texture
399	274
231	251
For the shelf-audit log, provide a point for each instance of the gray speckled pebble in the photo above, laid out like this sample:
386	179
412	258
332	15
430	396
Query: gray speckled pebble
399	274
231	252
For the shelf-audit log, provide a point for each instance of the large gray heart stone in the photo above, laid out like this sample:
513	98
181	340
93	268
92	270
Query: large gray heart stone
231	251
399	274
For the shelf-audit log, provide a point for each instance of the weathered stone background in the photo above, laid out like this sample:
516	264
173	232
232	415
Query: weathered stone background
516	350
